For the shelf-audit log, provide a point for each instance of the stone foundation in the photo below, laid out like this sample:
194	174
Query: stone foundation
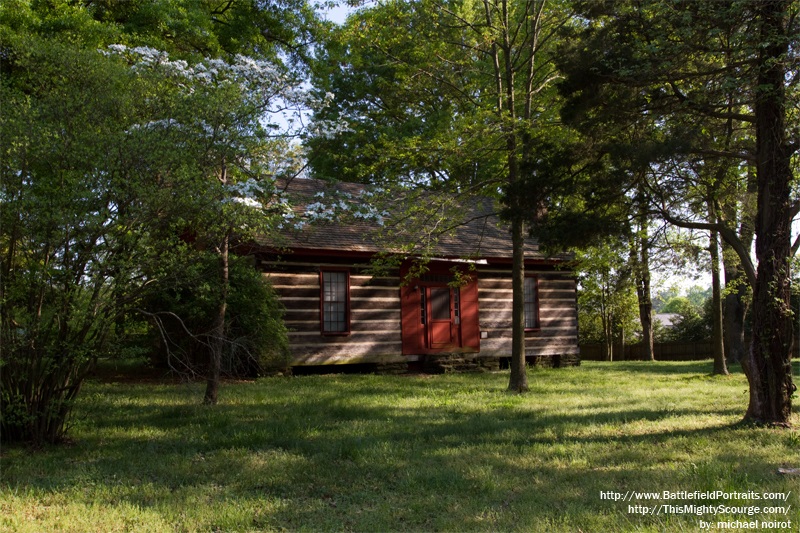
554	361
455	362
446	363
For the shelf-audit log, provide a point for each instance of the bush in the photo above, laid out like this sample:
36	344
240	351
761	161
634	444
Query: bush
183	314
692	325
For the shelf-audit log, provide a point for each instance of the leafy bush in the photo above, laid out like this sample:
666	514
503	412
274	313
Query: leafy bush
693	322
183	313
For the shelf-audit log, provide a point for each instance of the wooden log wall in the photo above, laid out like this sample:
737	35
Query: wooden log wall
374	318
558	315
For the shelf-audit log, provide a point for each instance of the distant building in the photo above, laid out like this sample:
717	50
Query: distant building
667	320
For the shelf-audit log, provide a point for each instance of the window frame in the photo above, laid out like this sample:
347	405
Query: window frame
322	302
537	325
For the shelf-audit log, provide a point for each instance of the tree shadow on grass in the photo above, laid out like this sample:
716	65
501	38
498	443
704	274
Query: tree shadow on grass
379	454
674	368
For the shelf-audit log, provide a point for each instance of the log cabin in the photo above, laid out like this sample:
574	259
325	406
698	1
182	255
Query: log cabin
445	309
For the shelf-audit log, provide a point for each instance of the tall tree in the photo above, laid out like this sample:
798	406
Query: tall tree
769	364
212	114
73	218
454	95
675	63
717	338
640	250
606	300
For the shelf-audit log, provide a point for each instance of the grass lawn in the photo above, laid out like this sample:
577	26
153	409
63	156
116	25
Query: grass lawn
412	453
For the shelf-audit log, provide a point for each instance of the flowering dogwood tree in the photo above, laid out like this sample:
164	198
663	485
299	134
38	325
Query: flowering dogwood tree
225	132
118	161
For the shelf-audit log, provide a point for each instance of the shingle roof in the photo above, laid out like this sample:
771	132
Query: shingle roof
475	229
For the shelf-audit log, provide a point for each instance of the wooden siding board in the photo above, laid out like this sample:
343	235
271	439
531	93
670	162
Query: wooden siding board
544	305
360	323
307	303
502	348
505	333
302	291
289	281
342	359
350	350
309	315
366	331
504	322
506	294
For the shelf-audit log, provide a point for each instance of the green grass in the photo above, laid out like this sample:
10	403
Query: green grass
412	453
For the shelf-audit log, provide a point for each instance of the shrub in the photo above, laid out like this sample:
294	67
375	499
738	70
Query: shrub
183	312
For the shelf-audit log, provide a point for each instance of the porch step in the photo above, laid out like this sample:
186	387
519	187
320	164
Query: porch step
446	363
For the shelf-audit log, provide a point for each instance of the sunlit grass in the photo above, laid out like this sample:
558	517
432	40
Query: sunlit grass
418	453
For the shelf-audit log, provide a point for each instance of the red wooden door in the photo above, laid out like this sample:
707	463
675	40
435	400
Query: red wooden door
440	313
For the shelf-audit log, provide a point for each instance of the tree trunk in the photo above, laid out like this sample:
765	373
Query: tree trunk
733	313
619	341
518	380
218	331
735	306
607	319
717	345
646	317
640	257
768	364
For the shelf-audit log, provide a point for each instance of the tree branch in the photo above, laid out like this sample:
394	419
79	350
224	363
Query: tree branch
726	233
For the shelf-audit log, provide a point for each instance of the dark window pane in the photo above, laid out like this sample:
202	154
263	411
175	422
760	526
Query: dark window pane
334	302
440	303
531	304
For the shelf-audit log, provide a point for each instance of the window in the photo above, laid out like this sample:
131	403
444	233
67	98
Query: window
531	304
423	311
457	305
440	303
335	302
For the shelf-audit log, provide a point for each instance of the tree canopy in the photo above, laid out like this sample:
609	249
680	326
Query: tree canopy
456	96
140	141
708	89
132	133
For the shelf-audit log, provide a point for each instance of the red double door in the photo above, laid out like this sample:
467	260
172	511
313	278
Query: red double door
437	317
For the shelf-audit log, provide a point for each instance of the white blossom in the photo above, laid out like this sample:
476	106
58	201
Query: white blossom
248	202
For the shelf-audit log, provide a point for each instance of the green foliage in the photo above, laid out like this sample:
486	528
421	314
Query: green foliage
678	304
607	303
694	317
402	85
694	310
72	222
417	88
661	95
255	325
183	310
663	296
108	154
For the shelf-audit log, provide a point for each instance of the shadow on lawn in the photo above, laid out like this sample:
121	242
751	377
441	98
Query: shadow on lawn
704	367
352	456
